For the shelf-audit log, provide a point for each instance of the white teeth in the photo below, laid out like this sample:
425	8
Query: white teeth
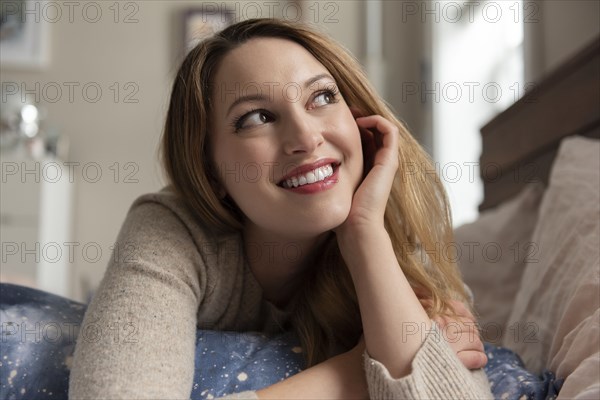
316	175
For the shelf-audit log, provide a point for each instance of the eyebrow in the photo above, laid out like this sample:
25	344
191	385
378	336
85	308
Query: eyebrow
258	97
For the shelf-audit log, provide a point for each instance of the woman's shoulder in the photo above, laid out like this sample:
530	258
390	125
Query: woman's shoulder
165	207
167	236
164	201
164	216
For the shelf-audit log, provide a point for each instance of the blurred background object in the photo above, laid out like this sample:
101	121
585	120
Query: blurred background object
24	33
36	209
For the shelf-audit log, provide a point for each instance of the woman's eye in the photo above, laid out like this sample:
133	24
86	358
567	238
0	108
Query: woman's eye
256	118
251	119
324	98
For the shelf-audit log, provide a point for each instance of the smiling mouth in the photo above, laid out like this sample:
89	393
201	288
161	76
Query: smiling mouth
316	175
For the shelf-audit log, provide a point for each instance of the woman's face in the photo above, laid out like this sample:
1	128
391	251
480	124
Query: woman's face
280	123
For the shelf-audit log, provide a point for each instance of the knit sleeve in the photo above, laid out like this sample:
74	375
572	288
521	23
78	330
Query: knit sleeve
437	373
137	338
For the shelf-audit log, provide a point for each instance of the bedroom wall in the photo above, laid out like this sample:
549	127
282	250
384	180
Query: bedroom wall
558	29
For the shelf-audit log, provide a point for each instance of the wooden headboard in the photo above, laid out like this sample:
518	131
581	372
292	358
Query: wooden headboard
519	145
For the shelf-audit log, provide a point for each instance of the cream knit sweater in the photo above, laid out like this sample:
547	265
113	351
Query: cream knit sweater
167	278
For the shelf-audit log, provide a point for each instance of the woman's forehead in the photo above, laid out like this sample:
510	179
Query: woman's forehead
268	61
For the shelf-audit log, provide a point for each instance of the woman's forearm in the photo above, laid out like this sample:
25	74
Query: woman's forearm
340	377
394	321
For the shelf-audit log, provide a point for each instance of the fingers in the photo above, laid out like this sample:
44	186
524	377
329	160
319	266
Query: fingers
377	123
421	293
461	333
468	347
463	329
473	359
369	148
386	137
458	306
463	337
461	309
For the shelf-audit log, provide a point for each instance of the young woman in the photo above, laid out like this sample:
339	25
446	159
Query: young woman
296	201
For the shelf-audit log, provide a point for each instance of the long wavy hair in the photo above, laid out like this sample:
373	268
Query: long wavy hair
326	314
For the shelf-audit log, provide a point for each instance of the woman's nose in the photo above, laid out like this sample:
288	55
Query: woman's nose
301	136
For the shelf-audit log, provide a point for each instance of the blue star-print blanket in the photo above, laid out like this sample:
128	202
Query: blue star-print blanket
39	331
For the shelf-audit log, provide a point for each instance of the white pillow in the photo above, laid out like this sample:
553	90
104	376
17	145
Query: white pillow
554	322
493	251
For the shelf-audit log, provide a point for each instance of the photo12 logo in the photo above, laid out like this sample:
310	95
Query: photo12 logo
53	12
470	11
471	92
325	12
71	171
70	92
72	252
67	332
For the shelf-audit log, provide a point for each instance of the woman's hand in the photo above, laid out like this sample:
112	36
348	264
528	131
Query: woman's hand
461	334
384	294
380	148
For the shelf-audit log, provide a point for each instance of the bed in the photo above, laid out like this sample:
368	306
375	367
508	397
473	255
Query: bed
532	257
531	260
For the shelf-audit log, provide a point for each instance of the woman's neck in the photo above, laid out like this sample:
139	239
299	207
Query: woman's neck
278	262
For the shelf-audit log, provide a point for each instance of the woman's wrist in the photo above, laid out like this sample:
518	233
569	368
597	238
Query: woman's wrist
388	305
359	243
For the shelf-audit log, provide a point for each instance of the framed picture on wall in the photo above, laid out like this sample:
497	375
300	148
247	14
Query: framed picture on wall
201	23
24	35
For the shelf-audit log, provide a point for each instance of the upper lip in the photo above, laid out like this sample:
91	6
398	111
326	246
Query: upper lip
308	167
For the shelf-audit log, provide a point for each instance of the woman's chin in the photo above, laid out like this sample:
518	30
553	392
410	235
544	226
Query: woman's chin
303	225
324	224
